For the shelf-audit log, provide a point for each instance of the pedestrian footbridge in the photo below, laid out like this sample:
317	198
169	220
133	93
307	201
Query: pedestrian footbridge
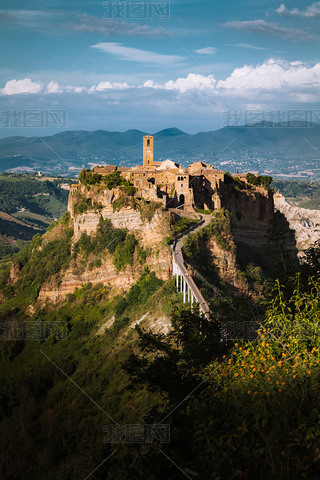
184	282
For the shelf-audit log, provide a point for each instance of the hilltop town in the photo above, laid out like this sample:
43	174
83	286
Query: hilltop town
198	186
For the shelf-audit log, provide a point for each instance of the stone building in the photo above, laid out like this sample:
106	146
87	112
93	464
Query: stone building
199	185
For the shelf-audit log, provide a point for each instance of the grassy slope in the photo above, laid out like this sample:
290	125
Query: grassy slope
25	192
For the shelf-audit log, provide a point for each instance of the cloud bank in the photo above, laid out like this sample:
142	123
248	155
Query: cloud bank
271	28
312	11
272	75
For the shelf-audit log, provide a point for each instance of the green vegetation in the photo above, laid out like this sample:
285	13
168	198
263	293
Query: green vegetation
82	204
43	198
62	424
179	225
219	227
37	261
263	181
303	193
202	210
253	412
116	241
36	203
236	408
110	181
146	286
128	190
123	254
146	208
89	178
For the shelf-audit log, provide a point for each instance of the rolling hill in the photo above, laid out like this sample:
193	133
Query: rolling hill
279	149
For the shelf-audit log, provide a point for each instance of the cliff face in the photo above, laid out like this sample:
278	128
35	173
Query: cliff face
305	222
251	228
76	277
149	234
96	195
226	265
252	213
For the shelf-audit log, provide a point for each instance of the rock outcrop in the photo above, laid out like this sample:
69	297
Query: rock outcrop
305	222
150	235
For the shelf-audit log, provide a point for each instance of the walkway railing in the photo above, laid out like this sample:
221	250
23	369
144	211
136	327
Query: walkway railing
184	282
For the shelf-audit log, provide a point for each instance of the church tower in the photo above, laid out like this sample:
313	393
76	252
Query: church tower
147	150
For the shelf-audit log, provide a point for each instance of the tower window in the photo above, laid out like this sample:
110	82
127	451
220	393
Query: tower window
148	142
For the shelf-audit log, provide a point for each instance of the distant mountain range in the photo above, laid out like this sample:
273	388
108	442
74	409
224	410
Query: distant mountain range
279	149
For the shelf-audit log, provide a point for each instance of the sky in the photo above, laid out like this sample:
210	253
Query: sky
150	65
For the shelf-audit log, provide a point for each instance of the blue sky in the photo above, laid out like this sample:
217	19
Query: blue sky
152	65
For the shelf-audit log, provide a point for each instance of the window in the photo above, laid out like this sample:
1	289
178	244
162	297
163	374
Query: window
148	142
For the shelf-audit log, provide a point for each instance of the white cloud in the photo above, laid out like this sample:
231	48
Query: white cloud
103	86
195	100
15	87
53	87
273	74
274	80
89	23
312	11
270	28
43	21
193	81
248	45
137	55
75	89
206	51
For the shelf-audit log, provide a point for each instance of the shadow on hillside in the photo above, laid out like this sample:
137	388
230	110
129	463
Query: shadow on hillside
273	247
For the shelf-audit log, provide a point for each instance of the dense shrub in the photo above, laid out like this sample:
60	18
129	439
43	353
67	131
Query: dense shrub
124	252
139	293
89	178
82	204
117	241
264	180
113	180
219	227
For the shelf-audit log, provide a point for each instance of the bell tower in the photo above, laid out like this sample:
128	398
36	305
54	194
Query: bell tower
147	150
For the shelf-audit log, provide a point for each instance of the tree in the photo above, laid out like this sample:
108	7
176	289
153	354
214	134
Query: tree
312	257
266	180
113	180
253	179
177	361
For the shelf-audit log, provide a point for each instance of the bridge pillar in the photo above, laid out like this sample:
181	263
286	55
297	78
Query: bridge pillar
184	290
